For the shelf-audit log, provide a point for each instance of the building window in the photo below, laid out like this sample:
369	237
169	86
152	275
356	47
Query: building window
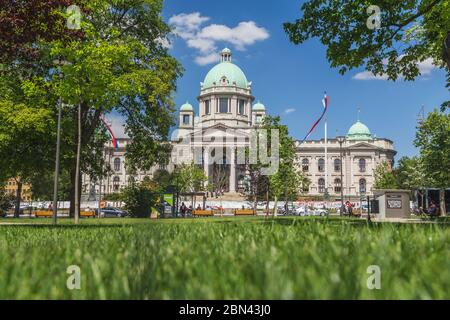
337	185
116	184
241	107
321	165
207	107
362	186
337	165
305	165
186	119
223	105
321	185
362	165
117	164
258	119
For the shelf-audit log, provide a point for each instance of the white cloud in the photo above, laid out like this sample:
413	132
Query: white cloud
425	68
203	45
187	24
289	110
207	59
205	39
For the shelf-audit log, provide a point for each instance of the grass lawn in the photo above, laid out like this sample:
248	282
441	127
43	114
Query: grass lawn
229	258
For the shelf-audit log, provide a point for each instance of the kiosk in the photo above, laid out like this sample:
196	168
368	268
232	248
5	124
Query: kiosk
393	203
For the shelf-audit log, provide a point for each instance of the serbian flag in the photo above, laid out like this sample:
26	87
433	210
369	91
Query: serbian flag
325	102
114	141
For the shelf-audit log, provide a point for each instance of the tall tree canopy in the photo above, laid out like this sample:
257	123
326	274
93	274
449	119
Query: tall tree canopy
116	63
391	41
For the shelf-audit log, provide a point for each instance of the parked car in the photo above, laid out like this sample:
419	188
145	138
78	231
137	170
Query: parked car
110	212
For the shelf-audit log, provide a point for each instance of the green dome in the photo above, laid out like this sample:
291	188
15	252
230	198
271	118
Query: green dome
258	107
359	131
225	70
187	107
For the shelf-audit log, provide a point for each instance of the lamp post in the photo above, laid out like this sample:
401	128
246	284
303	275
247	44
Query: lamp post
59	63
341	141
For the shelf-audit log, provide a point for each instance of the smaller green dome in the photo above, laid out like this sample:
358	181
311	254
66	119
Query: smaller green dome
359	131
258	107
187	107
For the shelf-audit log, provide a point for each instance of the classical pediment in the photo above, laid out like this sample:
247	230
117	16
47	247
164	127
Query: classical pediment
363	146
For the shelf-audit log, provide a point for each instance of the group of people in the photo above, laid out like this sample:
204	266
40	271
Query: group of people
347	208
184	210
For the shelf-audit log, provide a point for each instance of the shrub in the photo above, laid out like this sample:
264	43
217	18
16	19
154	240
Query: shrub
139	198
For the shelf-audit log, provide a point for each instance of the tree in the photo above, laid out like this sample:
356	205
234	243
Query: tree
140	198
410	173
385	177
24	143
220	180
433	141
117	64
286	182
191	179
6	201
23	23
390	39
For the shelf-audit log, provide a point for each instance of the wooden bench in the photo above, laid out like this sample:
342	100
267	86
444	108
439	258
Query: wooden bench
87	214
43	214
203	213
244	212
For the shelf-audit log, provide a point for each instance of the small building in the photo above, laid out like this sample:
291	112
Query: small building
392	203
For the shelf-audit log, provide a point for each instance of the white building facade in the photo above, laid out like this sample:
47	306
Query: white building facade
226	117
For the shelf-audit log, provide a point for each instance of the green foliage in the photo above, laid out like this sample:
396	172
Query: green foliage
411	31
139	199
410	173
190	178
433	140
385	177
243	258
288	182
6	201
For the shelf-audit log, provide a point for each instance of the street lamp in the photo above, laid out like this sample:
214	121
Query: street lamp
341	140
59	63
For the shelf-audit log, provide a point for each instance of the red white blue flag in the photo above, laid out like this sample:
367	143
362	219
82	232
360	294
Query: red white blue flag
325	102
114	141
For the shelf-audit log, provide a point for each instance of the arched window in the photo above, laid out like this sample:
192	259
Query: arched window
305	165
362	186
321	165
321	185
337	165
116	184
362	165
117	164
337	185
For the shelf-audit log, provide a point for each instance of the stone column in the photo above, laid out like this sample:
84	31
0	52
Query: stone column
233	170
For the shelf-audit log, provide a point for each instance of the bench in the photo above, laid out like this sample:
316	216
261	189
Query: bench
244	212
43	214
87	214
203	213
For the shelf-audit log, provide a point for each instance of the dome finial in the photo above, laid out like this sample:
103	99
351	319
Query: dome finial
226	55
359	114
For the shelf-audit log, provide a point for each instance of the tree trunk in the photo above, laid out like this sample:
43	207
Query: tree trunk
275	208
18	199
442	202
267	202
77	170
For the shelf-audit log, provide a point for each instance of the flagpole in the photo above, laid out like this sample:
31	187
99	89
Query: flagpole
326	156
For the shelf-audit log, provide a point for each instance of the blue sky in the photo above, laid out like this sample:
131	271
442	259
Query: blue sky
293	78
